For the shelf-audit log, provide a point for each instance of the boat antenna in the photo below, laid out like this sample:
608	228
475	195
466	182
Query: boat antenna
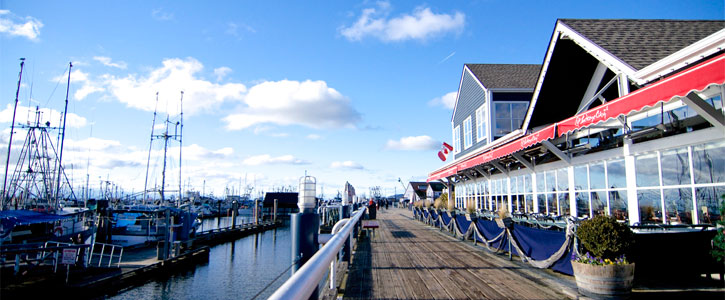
181	129
62	139
12	128
151	141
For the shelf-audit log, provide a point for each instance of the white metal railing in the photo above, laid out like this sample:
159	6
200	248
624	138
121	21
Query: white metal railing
111	256
304	282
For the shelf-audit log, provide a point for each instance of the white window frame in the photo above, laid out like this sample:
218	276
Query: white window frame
457	139
467	133
481	134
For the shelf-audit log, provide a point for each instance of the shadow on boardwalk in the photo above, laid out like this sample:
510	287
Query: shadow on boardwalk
405	259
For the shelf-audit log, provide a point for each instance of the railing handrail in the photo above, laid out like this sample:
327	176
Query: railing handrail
304	282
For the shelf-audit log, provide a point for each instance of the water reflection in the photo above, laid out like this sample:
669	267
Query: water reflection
236	270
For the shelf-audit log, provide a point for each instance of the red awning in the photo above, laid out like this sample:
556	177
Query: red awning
695	79
506	149
711	72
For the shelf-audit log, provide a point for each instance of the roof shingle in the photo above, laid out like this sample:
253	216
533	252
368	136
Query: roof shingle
516	76
641	43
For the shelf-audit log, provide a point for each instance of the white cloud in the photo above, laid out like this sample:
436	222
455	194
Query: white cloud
106	61
233	29
88	86
421	24
266	159
348	164
448	100
12	25
26	115
222	72
174	76
309	103
314	136
161	15
422	142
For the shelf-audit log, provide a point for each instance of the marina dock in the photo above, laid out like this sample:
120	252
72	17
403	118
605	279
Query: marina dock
136	267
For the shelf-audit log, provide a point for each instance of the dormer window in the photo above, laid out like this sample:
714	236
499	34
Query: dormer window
509	116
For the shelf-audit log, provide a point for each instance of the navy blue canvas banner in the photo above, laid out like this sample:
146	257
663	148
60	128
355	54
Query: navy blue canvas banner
462	223
540	244
446	219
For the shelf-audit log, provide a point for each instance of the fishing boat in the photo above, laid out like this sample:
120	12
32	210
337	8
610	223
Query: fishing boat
33	194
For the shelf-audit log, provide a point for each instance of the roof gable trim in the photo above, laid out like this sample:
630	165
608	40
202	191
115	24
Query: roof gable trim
688	55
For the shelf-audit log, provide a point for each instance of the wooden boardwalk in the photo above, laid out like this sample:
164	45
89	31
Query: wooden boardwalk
406	259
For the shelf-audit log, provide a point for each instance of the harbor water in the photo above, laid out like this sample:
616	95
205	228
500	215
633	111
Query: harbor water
236	270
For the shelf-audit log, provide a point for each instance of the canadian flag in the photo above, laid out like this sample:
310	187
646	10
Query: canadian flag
445	149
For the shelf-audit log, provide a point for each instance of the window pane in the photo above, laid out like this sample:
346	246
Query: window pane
616	174
582	205
518	110
596	174
551	204
542	203
708	204
675	167
503	126
648	173
527	184
709	163
650	210
503	110
550	181
540	186
514	186
580	178
599	203
678	204
562	179
618	204
564	204
529	204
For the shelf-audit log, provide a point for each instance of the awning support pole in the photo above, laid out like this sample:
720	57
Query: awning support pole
705	110
523	160
560	154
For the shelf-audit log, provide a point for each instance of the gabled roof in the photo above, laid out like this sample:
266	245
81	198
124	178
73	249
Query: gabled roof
437	186
416	185
506	76
639	43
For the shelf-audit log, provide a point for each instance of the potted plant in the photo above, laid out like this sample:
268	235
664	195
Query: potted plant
604	271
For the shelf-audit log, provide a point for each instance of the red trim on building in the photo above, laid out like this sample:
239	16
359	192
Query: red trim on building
695	79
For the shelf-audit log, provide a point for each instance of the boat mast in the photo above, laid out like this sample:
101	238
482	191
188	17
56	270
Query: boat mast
62	139
181	131
163	171
148	161
12	128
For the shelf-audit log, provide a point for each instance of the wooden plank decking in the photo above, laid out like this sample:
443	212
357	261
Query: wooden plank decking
406	259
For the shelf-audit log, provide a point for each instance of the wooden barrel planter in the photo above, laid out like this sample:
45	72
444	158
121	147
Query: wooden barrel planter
604	282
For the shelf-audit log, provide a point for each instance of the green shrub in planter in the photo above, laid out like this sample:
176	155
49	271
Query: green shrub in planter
605	238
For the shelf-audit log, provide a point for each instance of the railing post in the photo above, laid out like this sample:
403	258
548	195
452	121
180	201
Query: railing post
345	214
305	226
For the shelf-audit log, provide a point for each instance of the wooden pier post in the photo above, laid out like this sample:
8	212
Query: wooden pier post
275	211
256	211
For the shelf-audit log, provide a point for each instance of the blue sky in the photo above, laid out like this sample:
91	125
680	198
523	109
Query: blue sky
345	90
